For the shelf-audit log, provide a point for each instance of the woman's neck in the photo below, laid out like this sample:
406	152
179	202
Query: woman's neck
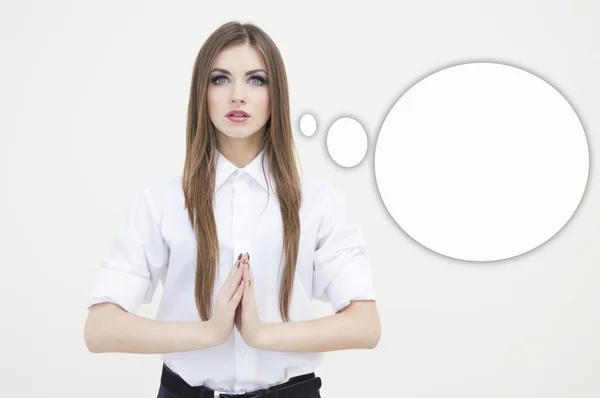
239	151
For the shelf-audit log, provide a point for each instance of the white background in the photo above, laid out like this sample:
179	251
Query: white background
94	98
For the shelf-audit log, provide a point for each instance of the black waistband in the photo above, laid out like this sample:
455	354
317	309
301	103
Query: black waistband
296	387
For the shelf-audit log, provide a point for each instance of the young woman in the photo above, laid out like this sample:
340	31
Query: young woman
241	242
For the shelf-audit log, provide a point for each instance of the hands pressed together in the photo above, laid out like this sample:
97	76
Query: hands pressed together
235	305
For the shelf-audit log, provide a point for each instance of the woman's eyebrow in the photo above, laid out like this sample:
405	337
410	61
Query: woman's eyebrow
227	72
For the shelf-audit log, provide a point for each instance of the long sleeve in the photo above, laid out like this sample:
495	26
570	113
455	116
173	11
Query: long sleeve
342	272
136	258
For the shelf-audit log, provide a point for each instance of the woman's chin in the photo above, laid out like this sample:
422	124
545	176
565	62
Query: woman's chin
238	133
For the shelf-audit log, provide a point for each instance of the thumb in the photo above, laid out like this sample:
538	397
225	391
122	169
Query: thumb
247	283
237	297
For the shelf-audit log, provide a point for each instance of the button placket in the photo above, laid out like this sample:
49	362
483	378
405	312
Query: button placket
240	217
240	228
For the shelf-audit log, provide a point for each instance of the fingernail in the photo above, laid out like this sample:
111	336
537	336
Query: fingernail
240	256
248	255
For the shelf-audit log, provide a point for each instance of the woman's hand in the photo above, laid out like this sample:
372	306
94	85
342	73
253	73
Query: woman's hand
247	319
228	298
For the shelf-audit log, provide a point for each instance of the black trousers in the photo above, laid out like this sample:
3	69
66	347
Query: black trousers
303	386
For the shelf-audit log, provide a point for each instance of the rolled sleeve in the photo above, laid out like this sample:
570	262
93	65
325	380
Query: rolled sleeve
342	272
136	258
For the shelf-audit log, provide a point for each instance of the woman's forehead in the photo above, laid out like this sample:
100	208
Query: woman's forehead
239	59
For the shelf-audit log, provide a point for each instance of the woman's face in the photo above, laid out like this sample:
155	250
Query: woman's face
238	85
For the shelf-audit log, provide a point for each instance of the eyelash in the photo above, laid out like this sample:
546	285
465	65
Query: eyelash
261	79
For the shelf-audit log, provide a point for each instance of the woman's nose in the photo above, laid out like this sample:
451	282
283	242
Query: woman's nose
238	92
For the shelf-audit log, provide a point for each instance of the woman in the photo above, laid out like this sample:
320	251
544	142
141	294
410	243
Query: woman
241	218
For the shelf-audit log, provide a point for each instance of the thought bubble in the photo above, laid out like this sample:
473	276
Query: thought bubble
347	142
481	161
308	125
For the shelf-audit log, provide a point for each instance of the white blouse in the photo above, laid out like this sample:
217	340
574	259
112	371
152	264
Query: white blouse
156	243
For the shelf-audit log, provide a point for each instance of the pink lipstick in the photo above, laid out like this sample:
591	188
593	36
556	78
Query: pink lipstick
238	116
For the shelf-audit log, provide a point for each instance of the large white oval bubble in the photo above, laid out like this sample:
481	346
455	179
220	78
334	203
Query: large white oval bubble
481	162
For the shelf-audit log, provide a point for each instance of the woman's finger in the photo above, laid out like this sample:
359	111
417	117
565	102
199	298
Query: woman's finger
247	283
249	275
234	283
251	284
237	296
233	269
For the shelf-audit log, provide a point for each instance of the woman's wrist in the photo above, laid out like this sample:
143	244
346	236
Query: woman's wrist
264	336
206	335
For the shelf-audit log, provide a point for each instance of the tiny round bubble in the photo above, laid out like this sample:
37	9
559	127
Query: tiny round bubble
308	125
347	142
481	162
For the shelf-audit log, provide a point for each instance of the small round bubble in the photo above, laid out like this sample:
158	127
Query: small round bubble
347	142
308	124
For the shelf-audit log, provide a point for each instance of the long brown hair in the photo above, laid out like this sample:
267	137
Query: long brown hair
199	168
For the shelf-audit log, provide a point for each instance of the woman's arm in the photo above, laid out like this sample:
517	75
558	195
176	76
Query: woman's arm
109	328
356	326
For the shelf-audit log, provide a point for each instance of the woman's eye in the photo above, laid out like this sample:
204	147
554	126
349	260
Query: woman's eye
219	80
257	80
254	80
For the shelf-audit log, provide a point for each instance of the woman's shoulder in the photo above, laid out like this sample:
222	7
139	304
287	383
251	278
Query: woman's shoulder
164	185
163	191
319	190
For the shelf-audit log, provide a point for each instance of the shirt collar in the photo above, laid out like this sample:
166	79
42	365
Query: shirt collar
224	169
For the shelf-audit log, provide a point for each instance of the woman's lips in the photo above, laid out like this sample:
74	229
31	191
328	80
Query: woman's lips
238	119
237	116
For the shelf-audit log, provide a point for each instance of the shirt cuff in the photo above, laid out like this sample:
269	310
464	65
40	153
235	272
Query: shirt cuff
354	282
122	288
